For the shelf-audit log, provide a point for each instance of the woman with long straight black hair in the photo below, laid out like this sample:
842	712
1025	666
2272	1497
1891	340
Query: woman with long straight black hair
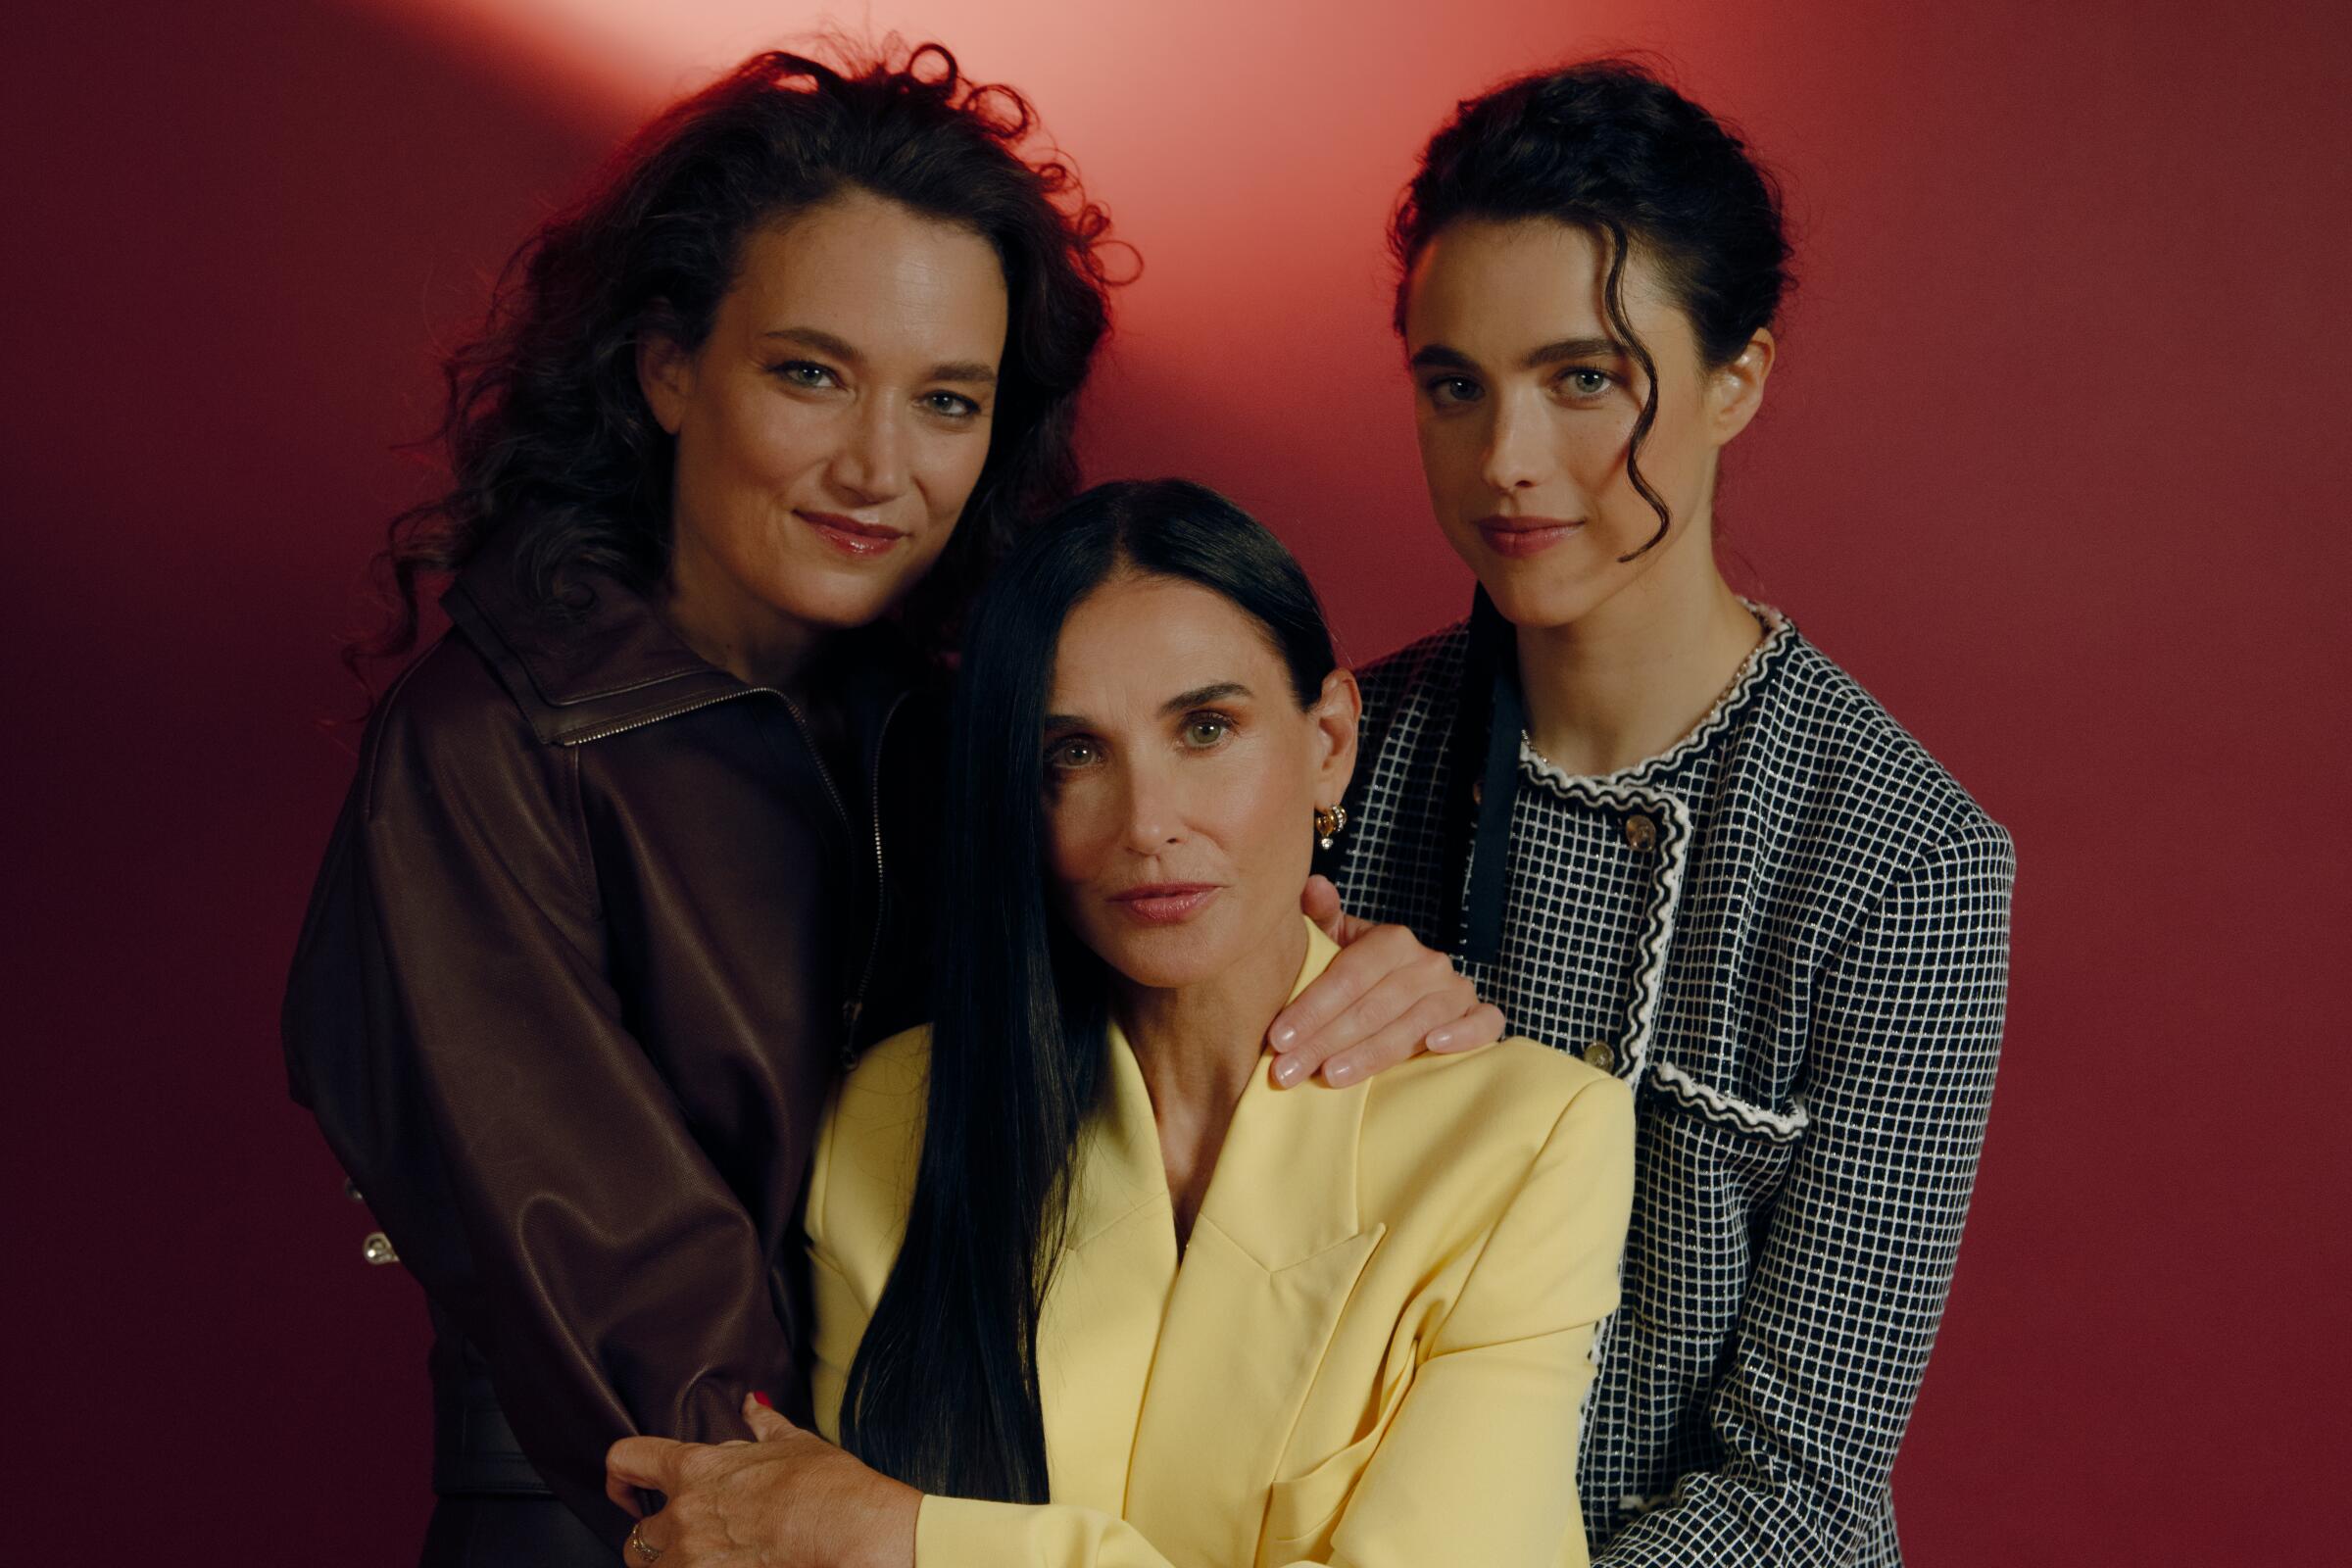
1668	834
1090	1291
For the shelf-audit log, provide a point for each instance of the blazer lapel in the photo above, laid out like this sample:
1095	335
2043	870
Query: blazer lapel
1275	1252
1110	1293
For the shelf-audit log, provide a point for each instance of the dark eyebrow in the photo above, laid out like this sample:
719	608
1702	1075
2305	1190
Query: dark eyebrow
1438	356
1199	694
822	342
971	372
968	370
1216	692
1574	347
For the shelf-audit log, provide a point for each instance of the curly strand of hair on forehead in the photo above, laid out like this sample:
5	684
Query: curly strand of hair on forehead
546	433
1608	146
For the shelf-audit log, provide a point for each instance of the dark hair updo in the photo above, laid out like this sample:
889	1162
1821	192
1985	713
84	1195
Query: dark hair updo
549	435
1608	147
944	1392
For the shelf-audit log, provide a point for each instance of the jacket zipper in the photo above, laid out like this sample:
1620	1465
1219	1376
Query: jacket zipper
855	1005
680	712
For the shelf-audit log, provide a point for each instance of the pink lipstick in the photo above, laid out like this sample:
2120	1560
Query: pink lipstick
1165	903
1522	537
851	537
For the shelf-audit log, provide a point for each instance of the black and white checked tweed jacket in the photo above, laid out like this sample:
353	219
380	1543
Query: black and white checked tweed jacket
1791	934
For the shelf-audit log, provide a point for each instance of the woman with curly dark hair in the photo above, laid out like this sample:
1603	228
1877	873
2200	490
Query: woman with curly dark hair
626	869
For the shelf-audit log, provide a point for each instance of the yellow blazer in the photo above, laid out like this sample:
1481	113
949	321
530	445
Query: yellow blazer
1372	1351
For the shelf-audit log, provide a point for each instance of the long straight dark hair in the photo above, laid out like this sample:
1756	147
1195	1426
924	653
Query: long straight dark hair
944	1392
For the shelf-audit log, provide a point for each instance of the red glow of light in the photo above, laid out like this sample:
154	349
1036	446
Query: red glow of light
1249	152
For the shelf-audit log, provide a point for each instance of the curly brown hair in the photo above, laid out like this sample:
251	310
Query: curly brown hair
548	434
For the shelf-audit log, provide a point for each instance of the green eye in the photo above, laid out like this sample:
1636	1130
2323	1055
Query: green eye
1074	752
1204	731
804	373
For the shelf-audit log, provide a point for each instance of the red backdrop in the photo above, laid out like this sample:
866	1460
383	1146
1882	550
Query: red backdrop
2052	462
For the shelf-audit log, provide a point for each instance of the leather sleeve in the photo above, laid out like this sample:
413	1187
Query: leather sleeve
452	1023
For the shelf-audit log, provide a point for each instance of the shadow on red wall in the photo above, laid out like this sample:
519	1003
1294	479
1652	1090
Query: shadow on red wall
219	218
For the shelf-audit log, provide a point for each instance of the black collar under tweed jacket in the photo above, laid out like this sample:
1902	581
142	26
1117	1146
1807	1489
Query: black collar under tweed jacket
1789	932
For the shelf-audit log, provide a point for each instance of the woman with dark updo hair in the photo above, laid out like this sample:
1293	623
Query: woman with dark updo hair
631	863
1667	834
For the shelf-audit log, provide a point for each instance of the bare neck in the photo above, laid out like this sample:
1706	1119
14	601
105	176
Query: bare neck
1624	682
725	626
1198	1047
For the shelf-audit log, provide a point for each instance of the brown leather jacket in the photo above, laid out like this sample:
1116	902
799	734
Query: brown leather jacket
595	927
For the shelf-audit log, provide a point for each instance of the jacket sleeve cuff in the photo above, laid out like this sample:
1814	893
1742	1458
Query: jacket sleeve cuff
958	1532
955	1532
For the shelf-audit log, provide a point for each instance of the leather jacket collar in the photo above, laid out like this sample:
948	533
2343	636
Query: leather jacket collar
615	664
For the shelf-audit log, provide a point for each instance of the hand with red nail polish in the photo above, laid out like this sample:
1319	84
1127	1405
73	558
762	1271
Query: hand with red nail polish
808	1503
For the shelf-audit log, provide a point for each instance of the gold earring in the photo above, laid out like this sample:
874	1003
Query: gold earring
1329	820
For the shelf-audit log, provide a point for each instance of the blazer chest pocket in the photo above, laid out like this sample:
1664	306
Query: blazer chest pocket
1302	1511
